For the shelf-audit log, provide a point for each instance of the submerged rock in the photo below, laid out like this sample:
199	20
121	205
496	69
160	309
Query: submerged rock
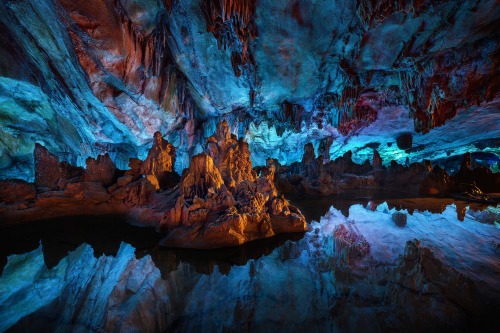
399	219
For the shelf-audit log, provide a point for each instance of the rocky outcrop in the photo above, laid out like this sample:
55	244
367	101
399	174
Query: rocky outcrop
49	172
214	213
160	162
16	191
421	179
61	189
101	170
230	156
201	177
217	203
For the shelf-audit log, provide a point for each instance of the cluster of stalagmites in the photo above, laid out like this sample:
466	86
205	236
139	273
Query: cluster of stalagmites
219	201
313	176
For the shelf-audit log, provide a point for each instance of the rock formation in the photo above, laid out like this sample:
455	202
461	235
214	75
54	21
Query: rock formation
201	177
214	213
230	156
160	161
421	179
219	201
49	172
101	170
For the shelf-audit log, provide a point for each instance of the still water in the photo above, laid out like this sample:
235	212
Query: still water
91	274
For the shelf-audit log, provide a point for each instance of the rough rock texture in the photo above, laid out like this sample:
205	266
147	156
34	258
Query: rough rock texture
231	156
48	170
199	212
160	161
399	219
16	191
201	177
86	78
214	213
101	170
312	176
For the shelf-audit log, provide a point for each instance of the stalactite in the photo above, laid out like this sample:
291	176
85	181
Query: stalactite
291	113
232	24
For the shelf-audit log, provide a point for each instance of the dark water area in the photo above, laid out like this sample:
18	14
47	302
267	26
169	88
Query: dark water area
62	235
106	233
116	275
314	207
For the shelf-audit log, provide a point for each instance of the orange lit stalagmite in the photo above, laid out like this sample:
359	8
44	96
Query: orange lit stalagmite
160	161
224	203
219	201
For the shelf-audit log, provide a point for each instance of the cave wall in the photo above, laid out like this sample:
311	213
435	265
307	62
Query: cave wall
88	77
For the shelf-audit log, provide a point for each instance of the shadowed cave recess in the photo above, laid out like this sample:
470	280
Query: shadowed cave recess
249	165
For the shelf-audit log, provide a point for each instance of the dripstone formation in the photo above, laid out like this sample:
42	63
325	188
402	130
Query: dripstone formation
219	201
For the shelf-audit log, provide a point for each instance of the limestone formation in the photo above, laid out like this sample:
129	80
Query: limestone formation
230	156
160	161
210	214
420	178
200	177
48	170
101	170
200	212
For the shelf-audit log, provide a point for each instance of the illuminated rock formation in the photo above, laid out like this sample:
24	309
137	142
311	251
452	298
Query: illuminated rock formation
231	156
214	213
160	161
312	176
200	212
49	172
201	177
101	170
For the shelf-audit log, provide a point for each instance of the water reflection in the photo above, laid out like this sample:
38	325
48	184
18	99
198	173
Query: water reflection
298	282
314	207
106	233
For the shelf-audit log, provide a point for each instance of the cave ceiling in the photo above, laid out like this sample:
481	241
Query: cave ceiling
86	77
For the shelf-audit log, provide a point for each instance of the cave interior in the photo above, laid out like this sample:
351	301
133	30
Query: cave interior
249	165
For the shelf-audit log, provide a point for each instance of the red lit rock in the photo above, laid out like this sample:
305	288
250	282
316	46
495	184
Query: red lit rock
210	214
101	170
16	190
48	170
